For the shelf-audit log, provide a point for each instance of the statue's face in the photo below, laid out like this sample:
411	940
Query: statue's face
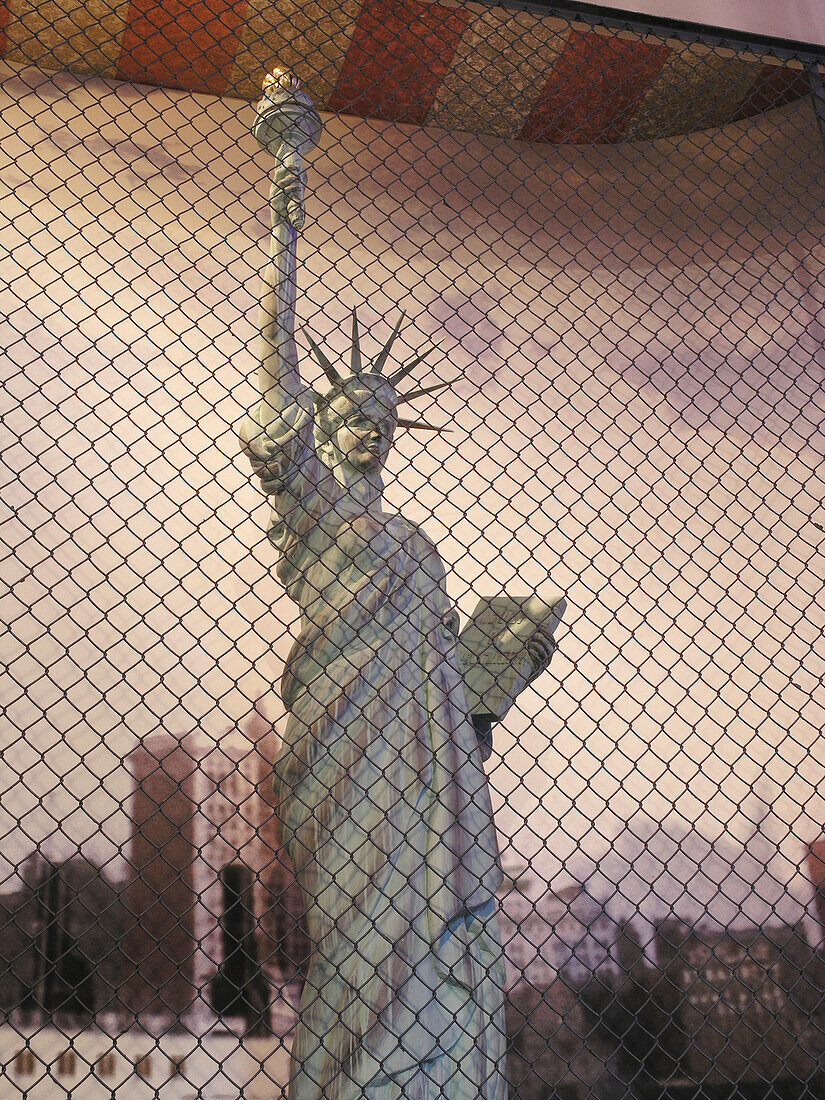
364	436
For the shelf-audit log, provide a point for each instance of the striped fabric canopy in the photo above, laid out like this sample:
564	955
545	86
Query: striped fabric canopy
495	71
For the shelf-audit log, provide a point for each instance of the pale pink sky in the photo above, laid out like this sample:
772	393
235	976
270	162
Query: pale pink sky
636	339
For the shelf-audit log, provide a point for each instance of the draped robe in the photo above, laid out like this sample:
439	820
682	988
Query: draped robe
383	798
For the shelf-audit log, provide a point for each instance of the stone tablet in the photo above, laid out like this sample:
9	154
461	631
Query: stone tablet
501	649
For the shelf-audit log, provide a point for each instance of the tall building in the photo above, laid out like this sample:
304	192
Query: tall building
816	869
215	913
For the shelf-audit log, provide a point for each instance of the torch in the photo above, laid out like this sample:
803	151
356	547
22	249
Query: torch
287	125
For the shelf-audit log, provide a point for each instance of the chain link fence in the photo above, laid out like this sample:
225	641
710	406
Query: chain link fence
606	236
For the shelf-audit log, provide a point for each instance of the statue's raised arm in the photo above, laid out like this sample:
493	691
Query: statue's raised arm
286	125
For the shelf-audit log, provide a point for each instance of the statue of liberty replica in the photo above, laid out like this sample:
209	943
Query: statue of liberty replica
382	794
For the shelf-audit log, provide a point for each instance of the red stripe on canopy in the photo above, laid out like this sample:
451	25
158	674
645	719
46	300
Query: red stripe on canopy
594	89
181	43
4	22
401	51
772	87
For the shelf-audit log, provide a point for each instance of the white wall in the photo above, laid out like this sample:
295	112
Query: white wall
635	334
799	20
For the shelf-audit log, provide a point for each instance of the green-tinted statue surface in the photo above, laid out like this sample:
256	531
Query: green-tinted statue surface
382	794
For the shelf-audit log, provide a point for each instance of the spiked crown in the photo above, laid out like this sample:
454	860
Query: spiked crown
371	374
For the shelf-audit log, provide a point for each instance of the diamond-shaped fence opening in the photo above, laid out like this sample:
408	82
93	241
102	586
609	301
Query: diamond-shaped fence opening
519	314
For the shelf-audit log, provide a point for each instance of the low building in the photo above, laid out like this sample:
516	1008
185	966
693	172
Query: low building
61	938
748	1002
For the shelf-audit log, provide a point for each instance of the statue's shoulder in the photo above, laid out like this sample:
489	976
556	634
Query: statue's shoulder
406	529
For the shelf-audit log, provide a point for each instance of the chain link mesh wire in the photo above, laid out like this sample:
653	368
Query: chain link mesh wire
613	233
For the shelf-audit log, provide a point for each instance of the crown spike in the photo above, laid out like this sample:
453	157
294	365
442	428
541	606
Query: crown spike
420	424
410	365
326	366
378	365
355	360
411	396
